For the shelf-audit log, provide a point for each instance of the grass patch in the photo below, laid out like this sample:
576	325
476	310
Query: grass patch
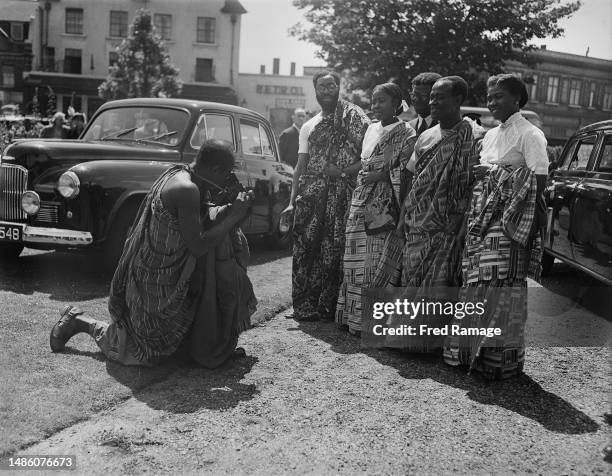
43	392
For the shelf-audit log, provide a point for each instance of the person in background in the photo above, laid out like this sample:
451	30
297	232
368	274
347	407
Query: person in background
432	217
387	147
182	274
328	158
57	129
503	244
77	124
289	138
419	97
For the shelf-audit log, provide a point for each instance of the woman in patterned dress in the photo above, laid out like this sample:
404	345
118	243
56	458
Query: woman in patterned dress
503	244
381	182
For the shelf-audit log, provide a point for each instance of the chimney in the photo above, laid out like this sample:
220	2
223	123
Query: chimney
262	69
292	69
275	65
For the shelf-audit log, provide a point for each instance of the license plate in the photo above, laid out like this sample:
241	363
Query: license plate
11	232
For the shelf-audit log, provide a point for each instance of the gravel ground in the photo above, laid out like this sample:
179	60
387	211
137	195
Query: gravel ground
307	400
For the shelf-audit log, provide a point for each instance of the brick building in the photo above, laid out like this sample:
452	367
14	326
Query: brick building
567	91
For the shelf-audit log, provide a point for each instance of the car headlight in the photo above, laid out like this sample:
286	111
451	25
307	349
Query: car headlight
30	202
6	158
69	185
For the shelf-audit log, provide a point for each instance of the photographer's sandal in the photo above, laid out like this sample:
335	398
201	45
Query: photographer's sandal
64	329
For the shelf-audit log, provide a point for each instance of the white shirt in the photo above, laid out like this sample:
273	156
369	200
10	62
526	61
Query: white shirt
427	139
373	135
428	120
305	131
516	142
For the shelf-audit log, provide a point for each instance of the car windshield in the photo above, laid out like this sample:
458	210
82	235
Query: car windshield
146	124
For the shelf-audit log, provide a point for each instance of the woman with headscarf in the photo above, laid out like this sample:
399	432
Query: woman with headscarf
503	242
376	201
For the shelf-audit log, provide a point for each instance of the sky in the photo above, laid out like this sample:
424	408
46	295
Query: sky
264	35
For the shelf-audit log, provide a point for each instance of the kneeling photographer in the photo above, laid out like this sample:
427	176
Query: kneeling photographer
181	280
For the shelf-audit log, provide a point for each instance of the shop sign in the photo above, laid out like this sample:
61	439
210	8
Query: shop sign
280	90
290	103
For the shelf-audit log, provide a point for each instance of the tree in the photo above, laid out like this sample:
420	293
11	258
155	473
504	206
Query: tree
143	67
377	41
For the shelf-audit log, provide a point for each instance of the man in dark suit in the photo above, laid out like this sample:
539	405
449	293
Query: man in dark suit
289	138
419	96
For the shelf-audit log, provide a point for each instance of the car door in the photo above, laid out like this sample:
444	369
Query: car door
563	224
591	229
260	157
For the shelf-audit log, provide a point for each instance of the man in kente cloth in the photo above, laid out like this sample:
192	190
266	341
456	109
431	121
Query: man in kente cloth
328	161
181	279
433	215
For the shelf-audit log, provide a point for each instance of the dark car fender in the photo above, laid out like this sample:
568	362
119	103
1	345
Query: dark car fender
114	186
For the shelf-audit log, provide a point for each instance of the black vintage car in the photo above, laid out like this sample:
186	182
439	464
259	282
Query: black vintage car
66	194
579	199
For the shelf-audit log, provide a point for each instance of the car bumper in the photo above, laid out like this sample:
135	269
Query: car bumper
51	236
58	236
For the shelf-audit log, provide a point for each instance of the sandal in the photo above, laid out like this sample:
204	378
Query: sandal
64	329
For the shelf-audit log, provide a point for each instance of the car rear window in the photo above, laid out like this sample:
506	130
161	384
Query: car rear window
255	139
580	153
605	163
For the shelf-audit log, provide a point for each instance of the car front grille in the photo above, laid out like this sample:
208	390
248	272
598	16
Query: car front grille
13	182
48	213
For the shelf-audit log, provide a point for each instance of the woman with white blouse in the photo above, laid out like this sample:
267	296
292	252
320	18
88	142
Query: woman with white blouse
503	242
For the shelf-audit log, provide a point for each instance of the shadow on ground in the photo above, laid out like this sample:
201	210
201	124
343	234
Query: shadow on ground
180	387
579	287
183	388
64	276
521	395
79	276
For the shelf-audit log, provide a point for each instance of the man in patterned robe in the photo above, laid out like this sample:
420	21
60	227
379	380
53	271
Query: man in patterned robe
434	212
174	282
328	160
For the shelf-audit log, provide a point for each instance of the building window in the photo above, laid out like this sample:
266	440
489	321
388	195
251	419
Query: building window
564	91
574	97
17	31
74	21
592	95
204	70
8	76
72	61
553	89
163	25
113	58
118	23
532	87
206	30
607	98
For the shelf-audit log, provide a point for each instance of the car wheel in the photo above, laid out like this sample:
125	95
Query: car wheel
547	263
10	251
113	247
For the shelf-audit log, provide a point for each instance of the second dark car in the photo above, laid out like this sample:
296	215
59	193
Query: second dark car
579	199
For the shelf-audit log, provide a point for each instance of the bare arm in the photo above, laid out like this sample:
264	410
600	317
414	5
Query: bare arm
184	197
299	170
